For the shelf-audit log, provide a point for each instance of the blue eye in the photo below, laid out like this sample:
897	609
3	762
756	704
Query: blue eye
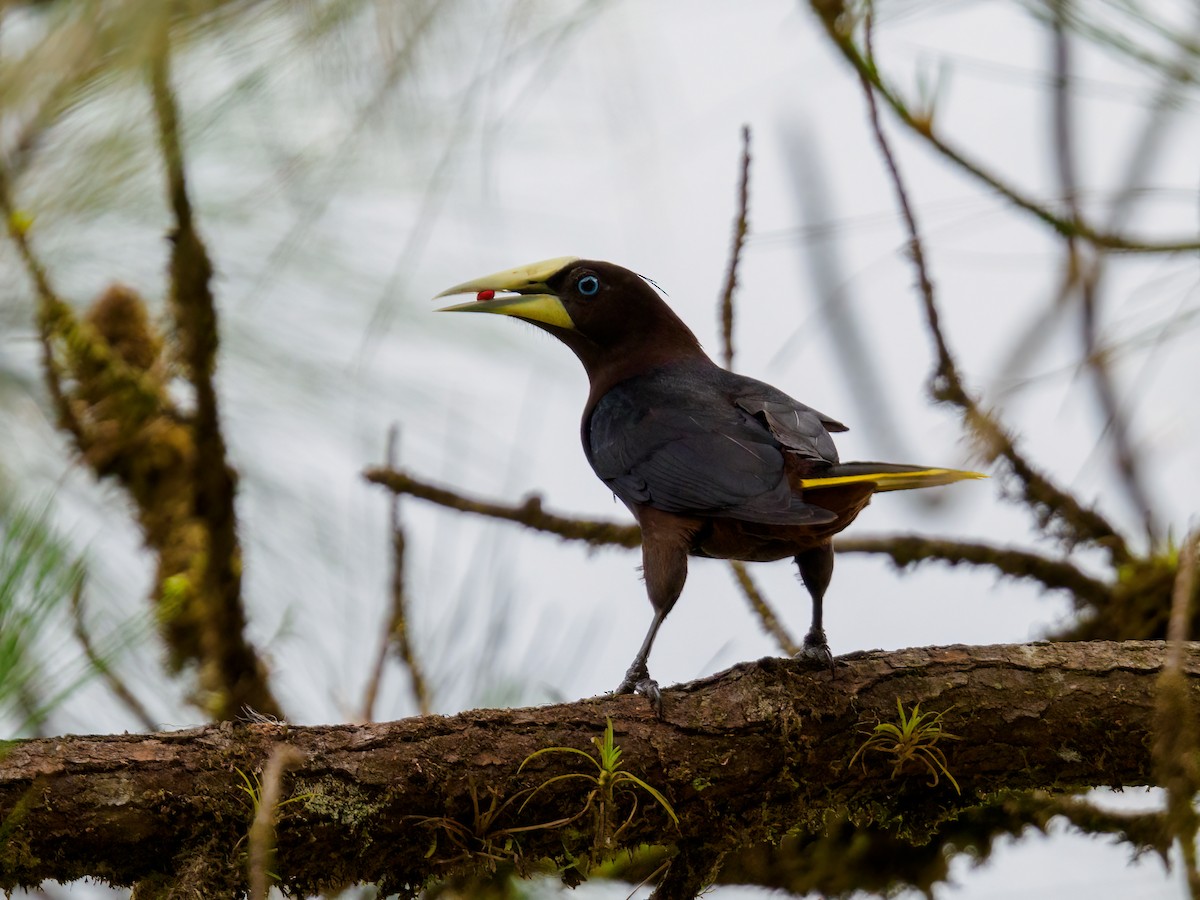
588	285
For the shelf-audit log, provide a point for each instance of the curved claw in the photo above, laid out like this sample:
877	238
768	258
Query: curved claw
816	651
638	681
648	688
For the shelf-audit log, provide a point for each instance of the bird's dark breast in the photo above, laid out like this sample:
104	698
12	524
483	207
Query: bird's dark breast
720	537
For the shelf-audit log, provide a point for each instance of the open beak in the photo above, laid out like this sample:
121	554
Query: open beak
533	300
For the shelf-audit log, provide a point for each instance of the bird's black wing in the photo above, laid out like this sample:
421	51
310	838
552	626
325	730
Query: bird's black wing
678	441
799	428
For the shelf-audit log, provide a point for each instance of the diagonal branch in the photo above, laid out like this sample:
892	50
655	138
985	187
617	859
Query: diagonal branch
758	603
51	308
530	513
1052	505
103	666
836	18
741	228
1084	273
396	628
1052	574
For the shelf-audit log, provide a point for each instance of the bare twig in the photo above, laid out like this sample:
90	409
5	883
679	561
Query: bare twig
1052	504
1063	128
395	629
1125	458
764	611
262	830
529	513
1084	273
741	227
834	16
1176	76
842	317
118	687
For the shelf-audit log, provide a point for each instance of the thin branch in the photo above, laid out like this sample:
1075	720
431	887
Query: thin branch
834	16
395	628
1052	574
1051	503
1085	274
118	687
1064	154
79	346
765	613
529	513
1117	422
50	306
75	349
741	227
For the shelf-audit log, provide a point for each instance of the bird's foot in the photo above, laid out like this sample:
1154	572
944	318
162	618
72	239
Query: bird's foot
638	681
816	650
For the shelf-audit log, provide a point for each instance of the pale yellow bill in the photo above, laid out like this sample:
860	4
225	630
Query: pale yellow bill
545	308
519	279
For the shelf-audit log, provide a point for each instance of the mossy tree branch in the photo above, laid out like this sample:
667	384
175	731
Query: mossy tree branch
745	758
904	550
529	513
232	676
108	376
1051	574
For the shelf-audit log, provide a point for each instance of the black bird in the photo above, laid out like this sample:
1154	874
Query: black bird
711	463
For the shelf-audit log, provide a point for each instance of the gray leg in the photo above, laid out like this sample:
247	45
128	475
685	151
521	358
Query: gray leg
637	676
816	568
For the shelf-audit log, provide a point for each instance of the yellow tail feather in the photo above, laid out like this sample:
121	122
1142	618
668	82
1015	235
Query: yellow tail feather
894	481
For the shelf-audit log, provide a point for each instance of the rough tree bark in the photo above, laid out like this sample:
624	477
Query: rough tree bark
743	757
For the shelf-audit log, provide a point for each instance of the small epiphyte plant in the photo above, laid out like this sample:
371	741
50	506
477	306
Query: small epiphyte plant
915	738
482	839
609	783
252	787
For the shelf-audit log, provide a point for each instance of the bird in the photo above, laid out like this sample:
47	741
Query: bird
709	462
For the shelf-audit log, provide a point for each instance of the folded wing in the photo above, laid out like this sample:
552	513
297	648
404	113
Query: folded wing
686	445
